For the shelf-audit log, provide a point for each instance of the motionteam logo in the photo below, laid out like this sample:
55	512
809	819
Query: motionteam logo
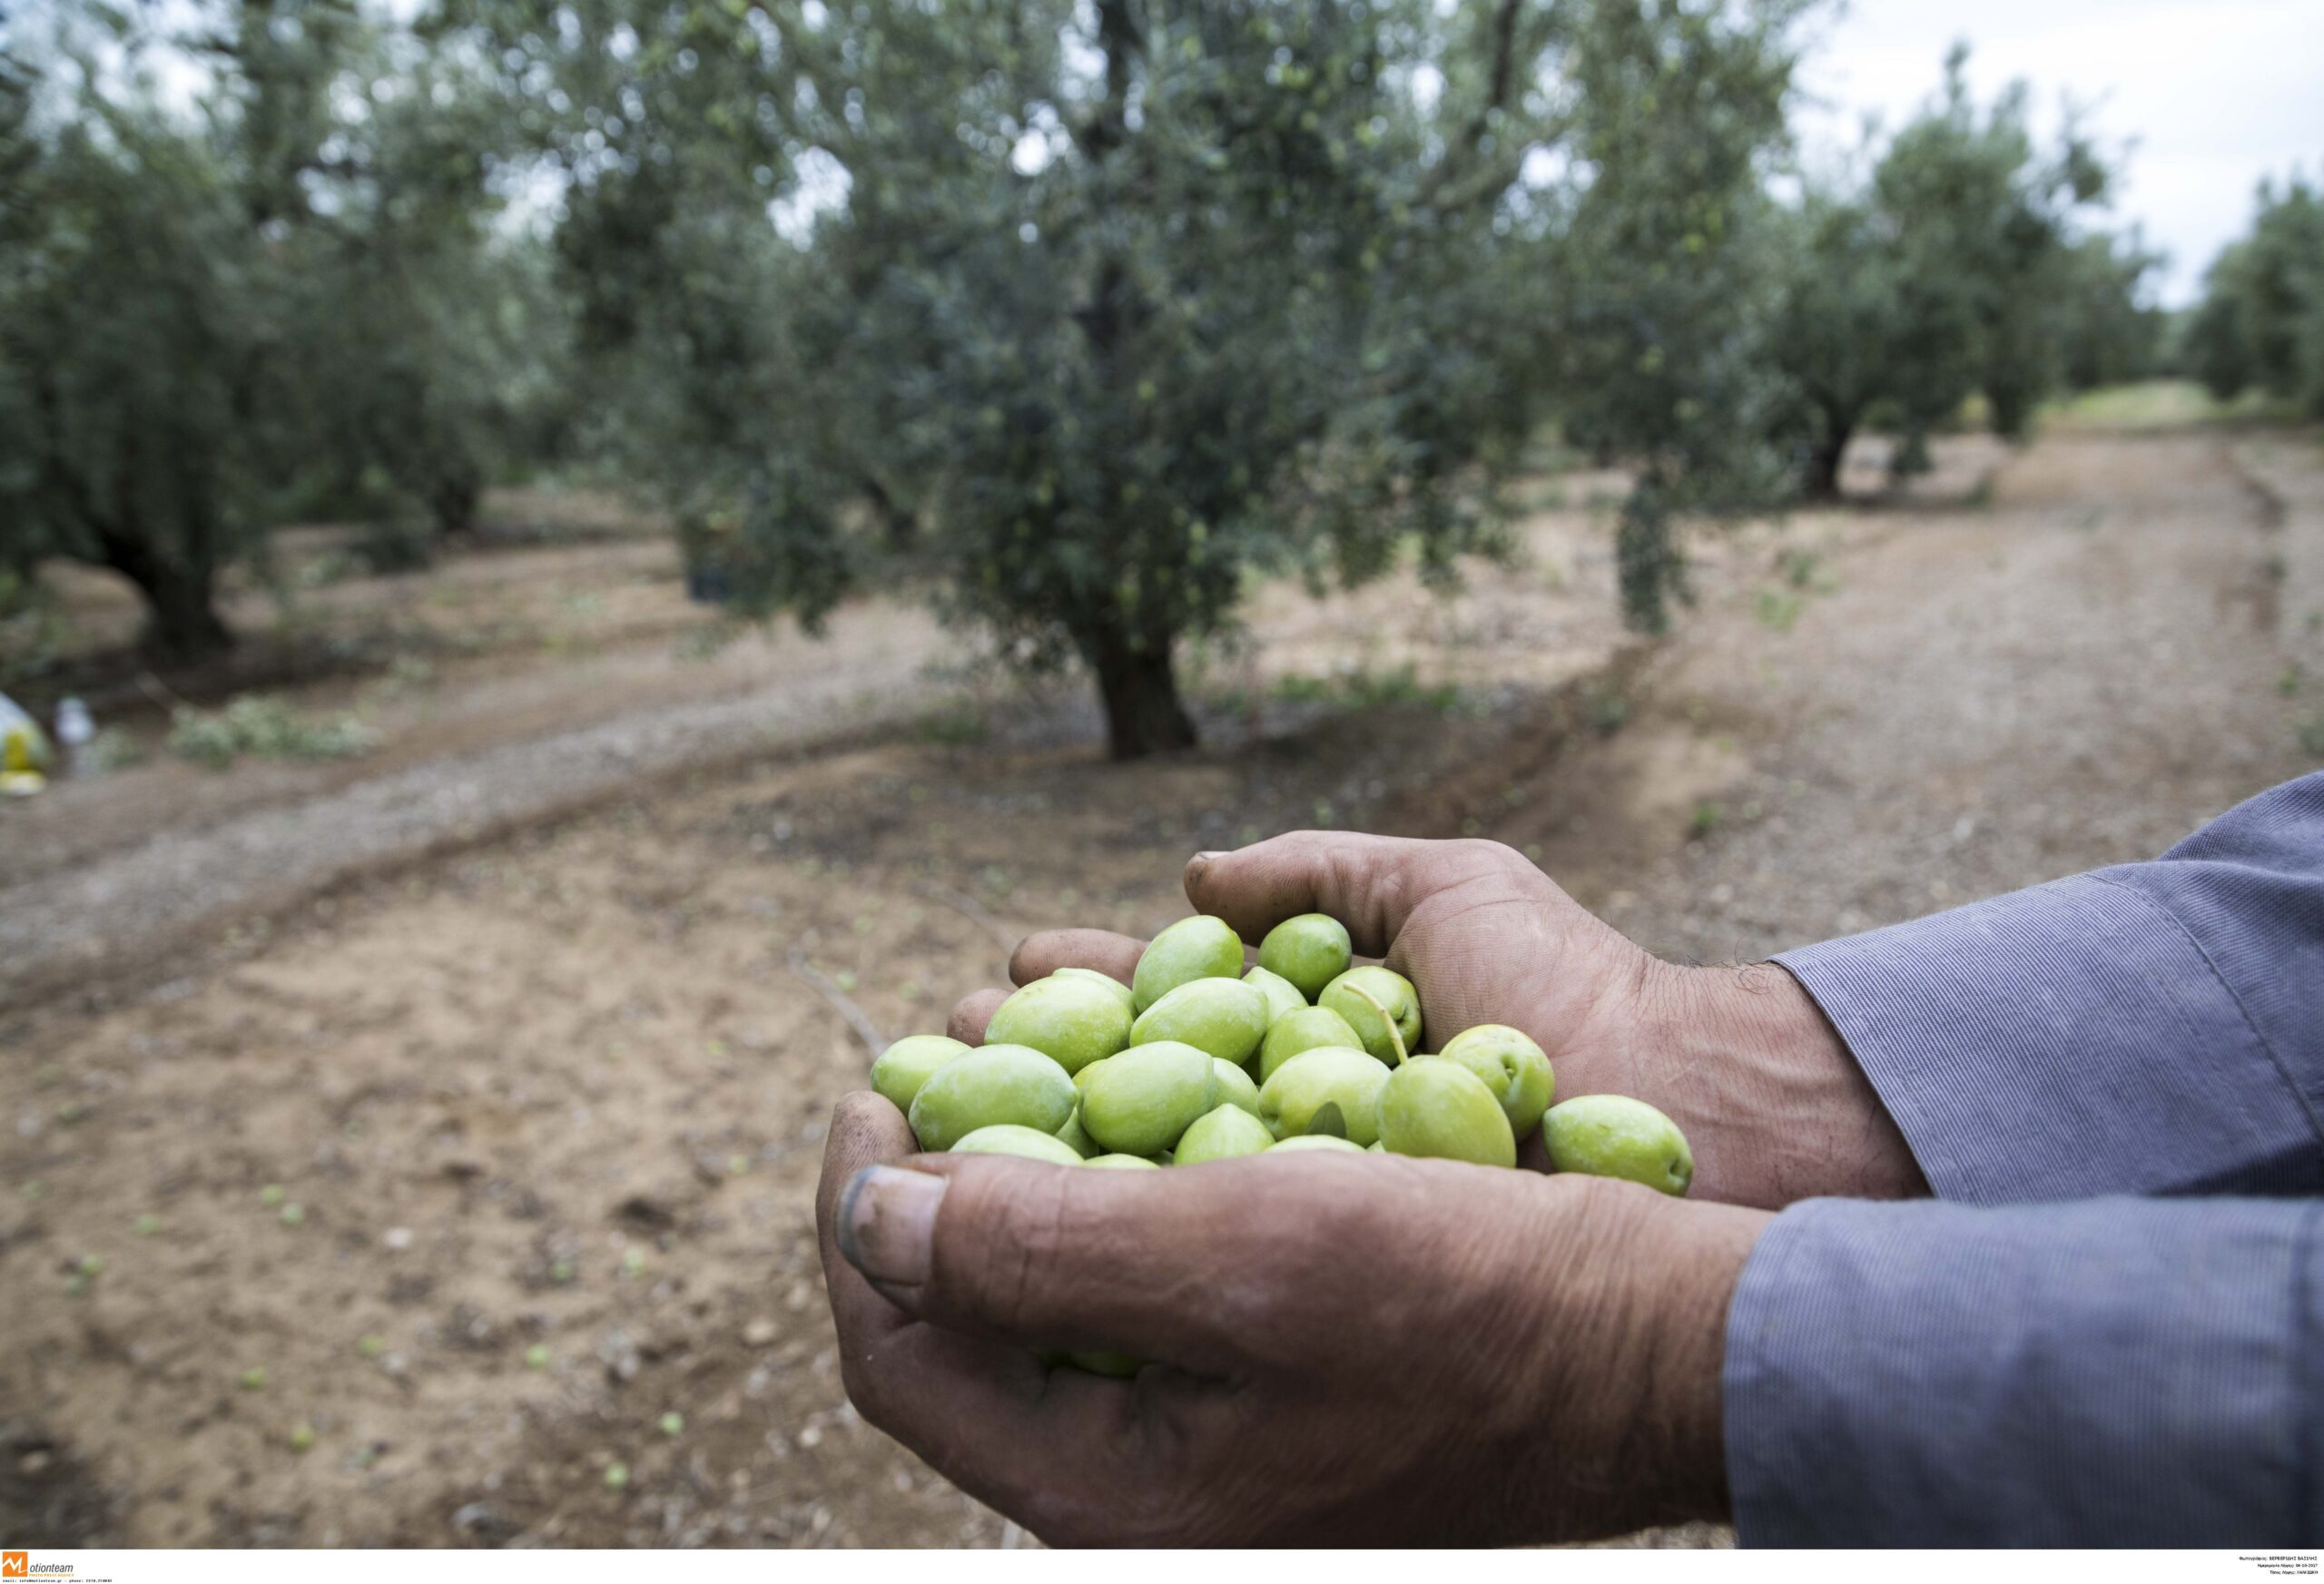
20	1565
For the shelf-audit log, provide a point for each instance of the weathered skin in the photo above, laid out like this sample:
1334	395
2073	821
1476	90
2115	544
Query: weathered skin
992	1084
1199	947
1396	995
1613	1136
1070	1021
1008	1139
1225	1017
1221	1133
1122	1163
1311	951
1513	1067
1283	996
1309	1028
1317	1141
1302	1087
909	1063
1141	1101
1235	1086
1104	981
1430	1107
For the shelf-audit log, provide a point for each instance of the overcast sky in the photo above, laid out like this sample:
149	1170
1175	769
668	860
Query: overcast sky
2212	93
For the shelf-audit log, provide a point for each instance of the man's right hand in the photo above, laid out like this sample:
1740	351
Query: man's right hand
1773	1104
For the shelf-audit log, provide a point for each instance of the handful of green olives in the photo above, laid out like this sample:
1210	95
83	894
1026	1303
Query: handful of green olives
1198	1059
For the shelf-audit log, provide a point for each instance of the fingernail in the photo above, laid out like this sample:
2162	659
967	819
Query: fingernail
887	1223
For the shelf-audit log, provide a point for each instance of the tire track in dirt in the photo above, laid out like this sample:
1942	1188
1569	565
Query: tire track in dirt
116	912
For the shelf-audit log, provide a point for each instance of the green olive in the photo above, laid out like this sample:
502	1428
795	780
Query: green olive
1353	994
1070	1021
1235	1087
1121	1163
993	1083
1220	1133
1613	1136
1513	1067
1200	948
1283	997
1310	950
1308	1028
1224	1017
1076	1137
1008	1139
1311	1089
907	1064
1316	1141
1141	1101
1432	1107
1104	981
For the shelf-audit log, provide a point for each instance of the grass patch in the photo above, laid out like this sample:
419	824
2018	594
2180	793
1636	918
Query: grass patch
1778	608
959	724
1364	689
2156	404
2312	736
264	728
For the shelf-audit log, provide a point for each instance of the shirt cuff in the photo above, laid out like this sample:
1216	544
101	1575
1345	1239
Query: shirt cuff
2117	1373
2060	1042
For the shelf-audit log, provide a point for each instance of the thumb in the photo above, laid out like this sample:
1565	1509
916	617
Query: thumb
1138	1262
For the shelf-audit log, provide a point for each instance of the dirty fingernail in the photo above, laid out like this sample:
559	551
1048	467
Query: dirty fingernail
887	1223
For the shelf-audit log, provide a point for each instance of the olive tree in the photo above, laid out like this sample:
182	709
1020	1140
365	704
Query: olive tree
2260	324
204	310
1078	315
1947	273
144	408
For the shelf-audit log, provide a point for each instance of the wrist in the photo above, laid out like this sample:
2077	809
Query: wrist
1707	1247
1777	1109
1630	1423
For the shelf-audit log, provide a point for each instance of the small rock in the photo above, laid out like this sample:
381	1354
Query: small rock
759	1333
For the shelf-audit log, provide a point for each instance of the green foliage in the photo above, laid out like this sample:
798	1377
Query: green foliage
1362	688
1955	268
144	396
265	728
2260	325
206	314
1658	249
1082	316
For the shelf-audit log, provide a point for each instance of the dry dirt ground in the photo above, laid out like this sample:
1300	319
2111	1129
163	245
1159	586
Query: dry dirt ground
547	1093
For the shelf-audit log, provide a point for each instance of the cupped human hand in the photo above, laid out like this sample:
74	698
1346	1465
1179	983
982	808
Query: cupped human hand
1774	1106
1340	1350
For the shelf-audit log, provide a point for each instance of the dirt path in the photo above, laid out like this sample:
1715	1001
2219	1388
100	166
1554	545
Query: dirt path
121	908
101	877
549	1106
2124	643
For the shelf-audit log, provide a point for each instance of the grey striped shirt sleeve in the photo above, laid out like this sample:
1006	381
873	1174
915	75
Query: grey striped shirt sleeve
2014	1367
2121	1372
2151	1028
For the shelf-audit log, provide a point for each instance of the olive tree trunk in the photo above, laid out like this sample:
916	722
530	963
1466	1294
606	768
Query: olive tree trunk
181	620
1143	715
